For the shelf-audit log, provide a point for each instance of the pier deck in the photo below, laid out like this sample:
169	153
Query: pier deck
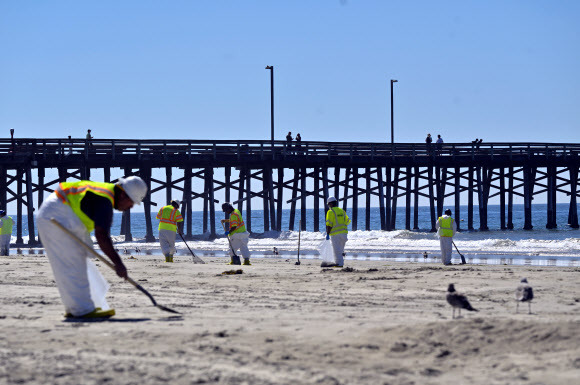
278	174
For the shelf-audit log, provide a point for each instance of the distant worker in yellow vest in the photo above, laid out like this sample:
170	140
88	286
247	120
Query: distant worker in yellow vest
6	224
170	221
81	207
446	229
237	233
336	229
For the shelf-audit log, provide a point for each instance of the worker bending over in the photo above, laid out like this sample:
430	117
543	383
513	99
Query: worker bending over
336	229
446	229
237	233
170	221
82	207
6	224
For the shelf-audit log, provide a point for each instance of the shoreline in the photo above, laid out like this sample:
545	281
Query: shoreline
481	258
545	245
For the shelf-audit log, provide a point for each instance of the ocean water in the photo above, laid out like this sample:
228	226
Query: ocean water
539	246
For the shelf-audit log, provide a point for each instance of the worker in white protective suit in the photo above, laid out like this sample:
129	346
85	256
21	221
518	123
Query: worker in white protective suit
82	207
170	222
238	236
446	229
6	224
337	222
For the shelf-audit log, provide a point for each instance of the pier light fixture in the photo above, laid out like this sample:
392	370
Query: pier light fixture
271	68
392	113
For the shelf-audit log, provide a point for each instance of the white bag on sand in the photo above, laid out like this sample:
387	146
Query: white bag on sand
326	251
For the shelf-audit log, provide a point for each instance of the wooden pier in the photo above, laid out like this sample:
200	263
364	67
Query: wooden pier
243	172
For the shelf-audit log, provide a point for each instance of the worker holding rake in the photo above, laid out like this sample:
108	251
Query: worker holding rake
81	207
237	235
170	222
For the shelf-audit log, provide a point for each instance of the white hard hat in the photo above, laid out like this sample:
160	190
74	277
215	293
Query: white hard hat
134	187
176	202
330	200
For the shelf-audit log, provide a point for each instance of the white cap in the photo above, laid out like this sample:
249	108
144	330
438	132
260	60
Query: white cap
330	200
176	202
134	187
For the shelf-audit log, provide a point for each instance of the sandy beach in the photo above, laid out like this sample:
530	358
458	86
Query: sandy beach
374	322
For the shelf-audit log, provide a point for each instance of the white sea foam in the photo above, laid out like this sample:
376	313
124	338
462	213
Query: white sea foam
399	241
525	243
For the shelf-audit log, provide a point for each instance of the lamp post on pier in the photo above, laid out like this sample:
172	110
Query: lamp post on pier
392	113
271	68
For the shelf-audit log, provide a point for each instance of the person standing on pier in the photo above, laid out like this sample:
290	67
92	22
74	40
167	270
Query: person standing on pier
298	144
289	142
439	144
428	142
89	141
237	233
81	207
170	222
446	229
336	230
6	224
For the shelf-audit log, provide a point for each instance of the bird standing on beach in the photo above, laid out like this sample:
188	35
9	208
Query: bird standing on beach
457	300
524	293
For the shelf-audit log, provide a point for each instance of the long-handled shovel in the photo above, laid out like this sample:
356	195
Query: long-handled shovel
106	262
461	255
235	257
299	229
195	258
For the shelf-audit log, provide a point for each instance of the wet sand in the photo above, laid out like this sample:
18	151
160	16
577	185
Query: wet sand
375	322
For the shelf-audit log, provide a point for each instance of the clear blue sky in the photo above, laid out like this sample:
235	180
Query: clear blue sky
498	70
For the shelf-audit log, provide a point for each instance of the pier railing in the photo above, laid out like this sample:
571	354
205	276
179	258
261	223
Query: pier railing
114	148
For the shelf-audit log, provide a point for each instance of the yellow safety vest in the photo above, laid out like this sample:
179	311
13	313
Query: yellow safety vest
7	223
236	220
72	193
445	227
168	217
338	220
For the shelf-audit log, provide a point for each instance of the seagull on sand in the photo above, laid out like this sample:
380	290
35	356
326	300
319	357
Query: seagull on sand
457	300
524	293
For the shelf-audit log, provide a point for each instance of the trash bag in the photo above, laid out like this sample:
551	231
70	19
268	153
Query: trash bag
326	251
98	286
